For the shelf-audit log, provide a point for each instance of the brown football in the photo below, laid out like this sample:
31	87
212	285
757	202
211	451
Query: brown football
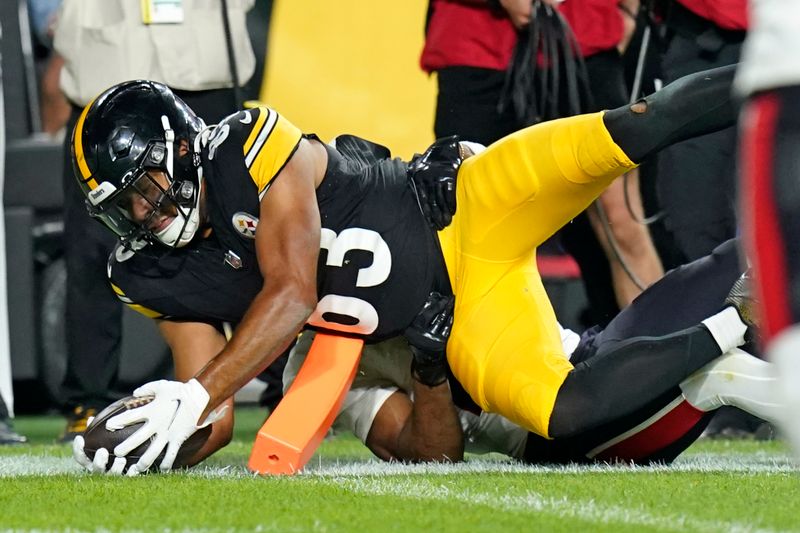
97	436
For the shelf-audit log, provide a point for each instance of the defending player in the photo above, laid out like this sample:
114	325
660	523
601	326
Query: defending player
400	406
257	224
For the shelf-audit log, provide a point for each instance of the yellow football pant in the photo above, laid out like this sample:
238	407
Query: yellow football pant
505	348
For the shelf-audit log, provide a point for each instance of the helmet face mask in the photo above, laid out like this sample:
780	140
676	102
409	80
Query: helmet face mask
149	203
136	207
134	163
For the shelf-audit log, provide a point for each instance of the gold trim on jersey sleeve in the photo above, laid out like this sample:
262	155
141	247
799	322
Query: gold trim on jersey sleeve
149	313
269	146
262	117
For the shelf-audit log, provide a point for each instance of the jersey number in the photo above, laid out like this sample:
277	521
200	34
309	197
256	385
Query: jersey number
362	313
218	137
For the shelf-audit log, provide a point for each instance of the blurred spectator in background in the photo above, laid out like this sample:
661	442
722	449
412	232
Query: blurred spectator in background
770	124
7	433
696	183
470	45
185	45
603	30
42	14
696	178
54	106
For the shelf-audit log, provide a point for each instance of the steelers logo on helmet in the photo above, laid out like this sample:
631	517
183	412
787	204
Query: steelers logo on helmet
157	154
134	151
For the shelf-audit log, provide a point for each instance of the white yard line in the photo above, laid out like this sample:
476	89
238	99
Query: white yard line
41	465
708	463
36	465
373	478
535	503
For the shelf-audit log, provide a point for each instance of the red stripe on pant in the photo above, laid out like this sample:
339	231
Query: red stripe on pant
656	436
762	229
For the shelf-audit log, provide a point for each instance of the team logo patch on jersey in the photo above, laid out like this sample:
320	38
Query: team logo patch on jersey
245	224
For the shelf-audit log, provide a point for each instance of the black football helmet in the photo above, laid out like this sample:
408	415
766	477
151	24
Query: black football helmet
126	135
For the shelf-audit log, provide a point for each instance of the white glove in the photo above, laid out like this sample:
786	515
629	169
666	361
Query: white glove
100	463
170	418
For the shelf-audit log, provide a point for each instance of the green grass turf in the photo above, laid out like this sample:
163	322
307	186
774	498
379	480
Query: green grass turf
716	486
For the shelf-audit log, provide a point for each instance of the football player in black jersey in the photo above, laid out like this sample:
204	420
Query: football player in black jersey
251	222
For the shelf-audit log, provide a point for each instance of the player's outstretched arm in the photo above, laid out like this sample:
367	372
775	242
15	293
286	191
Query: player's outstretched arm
193	345
427	429
691	106
287	248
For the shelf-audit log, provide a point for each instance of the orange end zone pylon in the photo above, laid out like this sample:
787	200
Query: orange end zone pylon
292	433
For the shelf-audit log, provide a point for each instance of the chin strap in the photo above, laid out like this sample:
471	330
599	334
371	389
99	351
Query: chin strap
183	228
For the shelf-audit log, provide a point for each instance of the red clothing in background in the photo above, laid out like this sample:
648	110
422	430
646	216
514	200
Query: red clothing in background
597	24
475	36
727	14
467	36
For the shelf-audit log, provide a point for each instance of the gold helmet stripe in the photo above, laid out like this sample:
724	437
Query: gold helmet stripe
80	157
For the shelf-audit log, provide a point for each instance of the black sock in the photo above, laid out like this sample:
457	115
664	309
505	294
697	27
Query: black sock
693	105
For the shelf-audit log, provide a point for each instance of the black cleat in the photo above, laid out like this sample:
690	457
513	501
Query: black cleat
8	435
77	421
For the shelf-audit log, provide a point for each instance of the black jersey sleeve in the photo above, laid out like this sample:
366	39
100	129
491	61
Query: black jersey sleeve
261	137
201	282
